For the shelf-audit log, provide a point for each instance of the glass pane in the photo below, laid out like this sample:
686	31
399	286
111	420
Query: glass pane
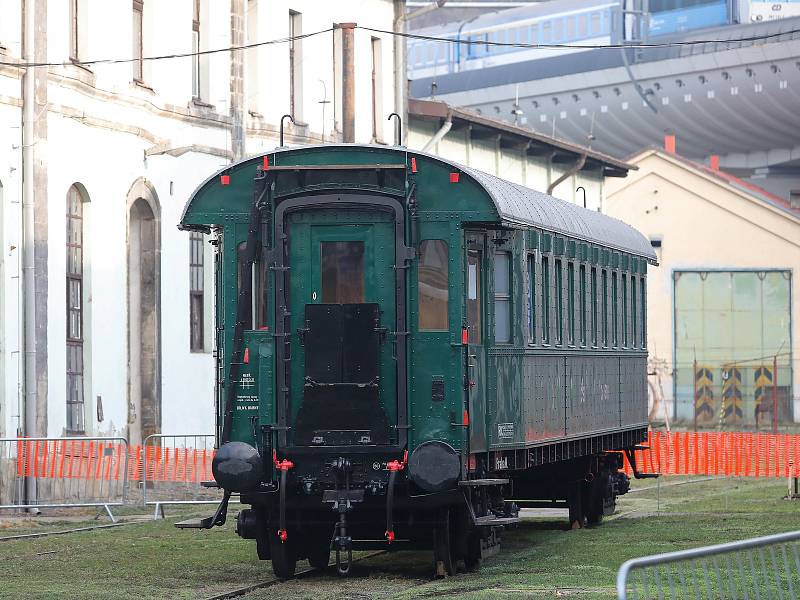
502	320
582	295
342	272
474	296
571	302
501	272
433	285
545	300
559	303
532	299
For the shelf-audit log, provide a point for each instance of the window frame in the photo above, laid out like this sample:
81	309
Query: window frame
138	51
558	276
531	266
625	306
604	291
615	309
446	272
545	261
196	292
506	298
197	90
571	303
75	373
582	302
595	305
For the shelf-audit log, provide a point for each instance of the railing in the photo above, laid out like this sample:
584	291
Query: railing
63	472
763	567
172	469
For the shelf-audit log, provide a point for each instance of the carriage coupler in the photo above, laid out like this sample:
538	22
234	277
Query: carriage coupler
216	520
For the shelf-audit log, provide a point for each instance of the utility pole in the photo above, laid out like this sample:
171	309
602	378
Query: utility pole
348	83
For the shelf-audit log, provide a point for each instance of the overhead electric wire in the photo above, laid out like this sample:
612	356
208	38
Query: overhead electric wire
470	42
113	61
415	36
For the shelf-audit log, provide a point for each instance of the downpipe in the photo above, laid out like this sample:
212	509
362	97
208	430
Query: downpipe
28	288
437	137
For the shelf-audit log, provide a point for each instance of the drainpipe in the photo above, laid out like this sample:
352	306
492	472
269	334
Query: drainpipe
574	169
28	299
437	137
348	84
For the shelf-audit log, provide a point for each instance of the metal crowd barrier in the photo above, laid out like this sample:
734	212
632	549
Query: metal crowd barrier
67	472
760	568
172	469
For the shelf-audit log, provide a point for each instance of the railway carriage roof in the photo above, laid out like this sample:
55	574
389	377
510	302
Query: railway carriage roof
515	204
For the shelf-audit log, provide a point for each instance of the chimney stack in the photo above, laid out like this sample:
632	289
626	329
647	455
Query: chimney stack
669	143
714	162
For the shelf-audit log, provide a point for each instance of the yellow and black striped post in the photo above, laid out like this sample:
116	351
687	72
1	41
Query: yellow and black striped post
703	393
763	385
732	394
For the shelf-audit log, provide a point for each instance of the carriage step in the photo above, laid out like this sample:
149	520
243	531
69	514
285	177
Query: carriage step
479	482
490	521
204	523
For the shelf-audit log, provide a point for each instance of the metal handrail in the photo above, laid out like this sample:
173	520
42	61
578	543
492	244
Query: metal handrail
670	557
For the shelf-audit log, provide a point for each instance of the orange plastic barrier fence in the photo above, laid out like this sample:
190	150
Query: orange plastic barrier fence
93	460
730	453
98	460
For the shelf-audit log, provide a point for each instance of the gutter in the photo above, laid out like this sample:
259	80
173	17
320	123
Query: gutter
437	137
572	170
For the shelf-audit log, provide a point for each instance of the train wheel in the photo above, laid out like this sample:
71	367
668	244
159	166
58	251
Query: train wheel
284	557
262	541
444	554
318	549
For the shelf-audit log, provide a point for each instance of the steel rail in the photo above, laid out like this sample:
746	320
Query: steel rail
40	534
265	584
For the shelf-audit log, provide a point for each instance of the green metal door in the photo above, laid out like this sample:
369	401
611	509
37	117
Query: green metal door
475	291
343	257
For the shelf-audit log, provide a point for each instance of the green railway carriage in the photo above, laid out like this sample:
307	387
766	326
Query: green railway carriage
409	350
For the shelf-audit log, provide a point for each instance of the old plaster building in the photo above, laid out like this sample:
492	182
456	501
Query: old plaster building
105	307
723	305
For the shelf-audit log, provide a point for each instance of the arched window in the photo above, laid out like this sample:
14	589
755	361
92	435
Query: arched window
75	296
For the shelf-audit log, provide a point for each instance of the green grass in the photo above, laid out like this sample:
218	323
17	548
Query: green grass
540	559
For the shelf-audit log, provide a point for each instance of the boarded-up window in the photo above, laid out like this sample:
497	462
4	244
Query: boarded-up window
433	285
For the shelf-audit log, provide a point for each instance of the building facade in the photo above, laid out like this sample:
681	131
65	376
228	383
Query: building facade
106	322
723	309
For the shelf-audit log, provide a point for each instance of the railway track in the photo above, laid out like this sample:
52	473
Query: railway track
40	534
272	582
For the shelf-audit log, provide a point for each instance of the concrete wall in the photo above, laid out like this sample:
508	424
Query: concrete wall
704	224
106	132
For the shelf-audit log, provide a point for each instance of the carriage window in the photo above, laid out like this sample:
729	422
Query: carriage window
594	305
624	309
502	297
433	285
582	302
571	302
615	308
605	307
531	298
258	301
342	272
474	296
559	303
634	313
643	293
545	300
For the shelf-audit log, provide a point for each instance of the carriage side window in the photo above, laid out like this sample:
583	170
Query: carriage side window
343	272
257	318
594	306
432	283
634	313
196	288
502	297
474	296
545	300
559	303
624	310
532	298
643	293
615	308
582	303
571	302
605	307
